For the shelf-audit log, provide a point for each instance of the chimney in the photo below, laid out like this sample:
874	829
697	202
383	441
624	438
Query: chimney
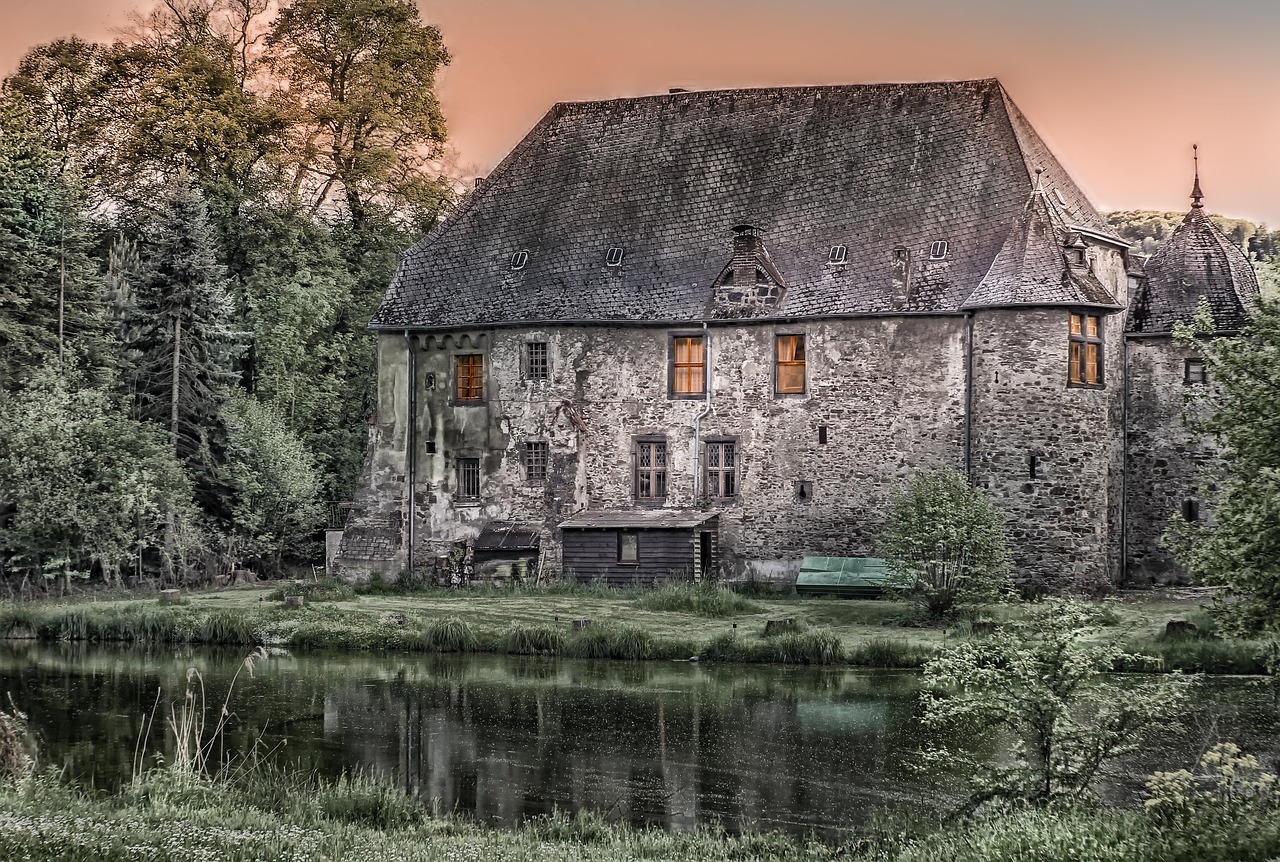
747	243
901	276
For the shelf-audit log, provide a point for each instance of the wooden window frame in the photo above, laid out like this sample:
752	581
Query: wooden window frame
464	465
779	364
657	476
468	378
623	535
540	369
1199	379
537	460
673	366
1080	342
722	472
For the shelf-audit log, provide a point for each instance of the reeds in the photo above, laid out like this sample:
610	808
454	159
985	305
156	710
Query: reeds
707	599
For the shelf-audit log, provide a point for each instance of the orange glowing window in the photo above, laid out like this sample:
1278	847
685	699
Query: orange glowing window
1084	358
688	365
470	377
789	365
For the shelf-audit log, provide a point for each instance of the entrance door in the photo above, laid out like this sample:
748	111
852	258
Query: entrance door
704	555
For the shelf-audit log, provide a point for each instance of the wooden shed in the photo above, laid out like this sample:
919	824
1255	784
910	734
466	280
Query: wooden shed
641	547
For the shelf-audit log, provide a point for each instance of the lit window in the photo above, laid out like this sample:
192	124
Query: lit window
938	250
536	365
535	461
628	548
651	469
468	478
838	254
789	365
470	377
688	365
1194	372
722	473
1084	366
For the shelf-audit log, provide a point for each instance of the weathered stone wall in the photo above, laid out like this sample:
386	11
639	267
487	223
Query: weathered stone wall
1168	462
889	390
1062	524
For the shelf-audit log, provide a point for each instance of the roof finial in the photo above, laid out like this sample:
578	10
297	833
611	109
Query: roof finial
1038	187
1196	194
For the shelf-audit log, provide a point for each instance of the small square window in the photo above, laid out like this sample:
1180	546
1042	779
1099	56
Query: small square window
519	259
537	365
468	478
469	369
1194	372
628	549
938	250
535	461
838	254
789	365
613	257
1191	510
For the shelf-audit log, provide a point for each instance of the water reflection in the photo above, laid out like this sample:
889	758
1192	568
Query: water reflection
503	738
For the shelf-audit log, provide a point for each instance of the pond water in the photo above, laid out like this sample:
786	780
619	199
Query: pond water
504	738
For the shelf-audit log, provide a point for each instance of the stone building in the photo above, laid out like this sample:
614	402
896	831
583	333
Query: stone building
711	332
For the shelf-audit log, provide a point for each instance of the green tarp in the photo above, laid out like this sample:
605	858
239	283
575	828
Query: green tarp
849	577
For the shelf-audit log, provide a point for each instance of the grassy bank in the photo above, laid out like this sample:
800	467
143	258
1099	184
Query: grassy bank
676	622
277	816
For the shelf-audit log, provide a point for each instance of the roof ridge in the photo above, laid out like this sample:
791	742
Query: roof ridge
797	88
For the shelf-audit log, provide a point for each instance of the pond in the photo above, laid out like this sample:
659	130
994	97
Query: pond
502	738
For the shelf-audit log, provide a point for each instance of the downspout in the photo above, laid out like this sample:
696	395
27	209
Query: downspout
1124	468
411	455
706	408
968	396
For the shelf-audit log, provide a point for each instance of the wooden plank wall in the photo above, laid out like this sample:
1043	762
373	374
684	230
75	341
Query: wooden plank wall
664	555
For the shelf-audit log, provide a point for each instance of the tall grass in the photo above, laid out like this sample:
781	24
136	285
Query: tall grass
707	599
818	646
526	639
449	634
1198	655
326	590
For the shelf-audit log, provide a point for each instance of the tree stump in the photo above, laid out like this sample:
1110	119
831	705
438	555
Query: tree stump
170	597
293	601
581	625
777	627
1180	629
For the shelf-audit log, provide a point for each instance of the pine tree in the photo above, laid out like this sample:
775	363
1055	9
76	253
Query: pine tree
182	345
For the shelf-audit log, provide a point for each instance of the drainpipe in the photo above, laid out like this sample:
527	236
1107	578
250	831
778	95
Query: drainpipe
706	408
1124	468
411	456
968	396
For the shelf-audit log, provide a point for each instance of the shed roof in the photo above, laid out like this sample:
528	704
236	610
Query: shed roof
665	178
639	519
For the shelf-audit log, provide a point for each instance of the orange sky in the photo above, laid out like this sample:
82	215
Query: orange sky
1119	88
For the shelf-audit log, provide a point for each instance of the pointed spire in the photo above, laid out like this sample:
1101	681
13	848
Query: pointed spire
1196	194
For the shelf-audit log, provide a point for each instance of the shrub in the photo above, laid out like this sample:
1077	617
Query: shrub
889	653
327	590
601	640
777	628
944	541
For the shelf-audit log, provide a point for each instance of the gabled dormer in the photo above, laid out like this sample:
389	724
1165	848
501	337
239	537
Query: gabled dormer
749	285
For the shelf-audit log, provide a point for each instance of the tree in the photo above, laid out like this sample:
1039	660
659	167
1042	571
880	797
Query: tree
83	487
276	510
1238	548
1042	682
360	90
944	541
183	347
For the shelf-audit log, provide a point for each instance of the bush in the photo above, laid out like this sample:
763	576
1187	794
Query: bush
944	541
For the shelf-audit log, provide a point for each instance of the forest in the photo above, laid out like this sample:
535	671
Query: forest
196	224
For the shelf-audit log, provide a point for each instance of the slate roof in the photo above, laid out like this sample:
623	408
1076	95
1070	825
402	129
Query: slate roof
667	177
1197	260
1031	268
641	519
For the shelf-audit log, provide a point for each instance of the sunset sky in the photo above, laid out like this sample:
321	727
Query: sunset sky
1119	88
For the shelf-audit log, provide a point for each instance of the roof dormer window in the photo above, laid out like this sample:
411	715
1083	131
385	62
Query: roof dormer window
938	250
839	254
613	257
519	259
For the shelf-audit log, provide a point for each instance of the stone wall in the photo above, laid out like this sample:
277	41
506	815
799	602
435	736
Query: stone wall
1063	522
888	390
1168	463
